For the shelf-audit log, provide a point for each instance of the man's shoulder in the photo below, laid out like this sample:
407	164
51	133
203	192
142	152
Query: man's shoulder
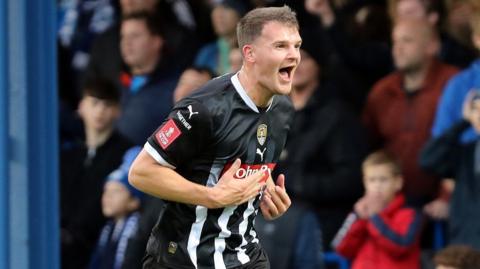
211	99
447	69
214	92
391	82
469	75
217	84
387	88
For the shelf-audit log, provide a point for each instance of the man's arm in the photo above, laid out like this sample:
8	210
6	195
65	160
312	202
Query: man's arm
395	235
351	236
163	182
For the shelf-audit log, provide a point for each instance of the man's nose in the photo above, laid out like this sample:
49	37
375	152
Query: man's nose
294	53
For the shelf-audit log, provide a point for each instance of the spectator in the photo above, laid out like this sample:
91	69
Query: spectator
191	79
400	108
236	60
323	154
147	92
121	204
451	51
381	232
457	257
450	107
84	166
447	157
215	55
106	60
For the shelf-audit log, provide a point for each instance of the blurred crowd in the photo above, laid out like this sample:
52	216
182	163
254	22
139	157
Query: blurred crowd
384	143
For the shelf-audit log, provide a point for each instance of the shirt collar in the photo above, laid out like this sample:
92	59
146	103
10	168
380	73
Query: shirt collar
243	94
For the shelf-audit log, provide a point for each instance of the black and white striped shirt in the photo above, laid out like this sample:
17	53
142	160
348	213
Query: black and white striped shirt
200	139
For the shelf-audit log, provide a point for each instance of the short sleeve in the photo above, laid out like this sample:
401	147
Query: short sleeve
183	134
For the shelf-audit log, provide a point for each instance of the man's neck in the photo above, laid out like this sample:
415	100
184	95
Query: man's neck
414	79
301	95
260	95
95	138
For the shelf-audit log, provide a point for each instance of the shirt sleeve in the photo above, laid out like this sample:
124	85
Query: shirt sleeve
182	136
351	236
398	234
449	107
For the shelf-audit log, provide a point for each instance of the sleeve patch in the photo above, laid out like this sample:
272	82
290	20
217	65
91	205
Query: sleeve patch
167	134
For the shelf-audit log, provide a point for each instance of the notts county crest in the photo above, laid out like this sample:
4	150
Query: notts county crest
262	134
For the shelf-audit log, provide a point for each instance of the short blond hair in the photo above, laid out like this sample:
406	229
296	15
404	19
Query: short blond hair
251	25
458	256
382	157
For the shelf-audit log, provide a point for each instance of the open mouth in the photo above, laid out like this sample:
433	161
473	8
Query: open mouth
286	72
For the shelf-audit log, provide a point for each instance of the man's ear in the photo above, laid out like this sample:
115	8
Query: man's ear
158	42
248	53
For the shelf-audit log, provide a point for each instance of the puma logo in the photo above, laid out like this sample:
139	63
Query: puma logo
190	110
261	153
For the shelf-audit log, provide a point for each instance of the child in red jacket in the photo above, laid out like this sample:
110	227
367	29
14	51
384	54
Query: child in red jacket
382	232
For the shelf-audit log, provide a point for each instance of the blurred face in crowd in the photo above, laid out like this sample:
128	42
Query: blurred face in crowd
274	56
307	72
413	45
236	60
224	20
98	114
380	182
117	201
189	81
139	47
130	6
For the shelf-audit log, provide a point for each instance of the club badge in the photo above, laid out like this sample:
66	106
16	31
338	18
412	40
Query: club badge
262	134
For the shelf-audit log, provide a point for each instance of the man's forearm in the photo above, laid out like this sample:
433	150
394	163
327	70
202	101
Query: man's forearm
165	183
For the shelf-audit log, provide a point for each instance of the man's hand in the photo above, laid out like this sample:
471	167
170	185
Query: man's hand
361	208
437	209
231	191
275	201
369	205
376	203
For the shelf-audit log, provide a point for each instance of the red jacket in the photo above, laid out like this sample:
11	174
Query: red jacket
401	124
389	240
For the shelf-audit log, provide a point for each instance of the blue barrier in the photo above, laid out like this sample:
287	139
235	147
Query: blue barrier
332	257
438	235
